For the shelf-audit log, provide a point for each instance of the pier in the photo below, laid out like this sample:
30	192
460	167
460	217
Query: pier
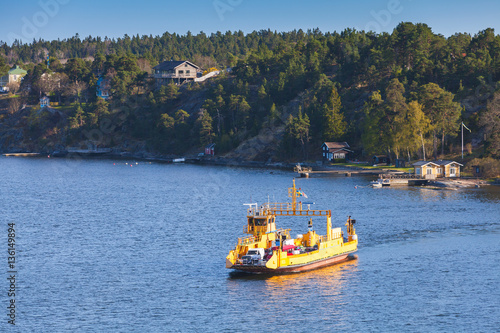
402	180
21	154
305	172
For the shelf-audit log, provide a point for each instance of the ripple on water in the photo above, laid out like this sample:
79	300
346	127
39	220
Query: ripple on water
109	247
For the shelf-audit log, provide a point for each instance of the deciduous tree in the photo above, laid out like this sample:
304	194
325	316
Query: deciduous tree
490	121
442	111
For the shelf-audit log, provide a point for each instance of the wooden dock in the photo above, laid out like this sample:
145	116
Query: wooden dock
21	154
402	180
305	172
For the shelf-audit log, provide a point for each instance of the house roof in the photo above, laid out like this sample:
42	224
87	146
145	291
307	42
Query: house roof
336	145
102	82
171	65
340	149
17	71
210	146
422	163
446	162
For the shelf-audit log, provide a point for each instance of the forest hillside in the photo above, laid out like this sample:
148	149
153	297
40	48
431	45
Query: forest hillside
279	96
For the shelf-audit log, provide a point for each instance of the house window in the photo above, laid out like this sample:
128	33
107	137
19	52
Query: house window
439	171
188	72
417	171
181	72
429	171
452	171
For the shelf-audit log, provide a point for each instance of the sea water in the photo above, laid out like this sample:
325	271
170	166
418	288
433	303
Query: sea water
120	246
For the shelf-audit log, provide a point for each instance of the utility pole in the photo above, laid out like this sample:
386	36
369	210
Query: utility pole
463	125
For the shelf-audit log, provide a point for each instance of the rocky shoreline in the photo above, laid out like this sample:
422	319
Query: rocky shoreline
459	183
232	162
201	160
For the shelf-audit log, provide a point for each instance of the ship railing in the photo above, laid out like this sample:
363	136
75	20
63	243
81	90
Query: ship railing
248	240
302	212
268	208
282	231
254	210
281	206
286	209
323	238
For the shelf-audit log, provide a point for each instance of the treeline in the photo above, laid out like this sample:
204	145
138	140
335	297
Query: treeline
403	93
221	48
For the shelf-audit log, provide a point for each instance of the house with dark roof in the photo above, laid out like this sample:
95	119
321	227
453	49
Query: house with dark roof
437	169
335	151
175	71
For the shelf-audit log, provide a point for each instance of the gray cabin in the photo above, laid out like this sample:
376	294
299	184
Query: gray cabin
175	71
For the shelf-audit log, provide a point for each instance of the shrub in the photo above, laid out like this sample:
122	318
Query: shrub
490	166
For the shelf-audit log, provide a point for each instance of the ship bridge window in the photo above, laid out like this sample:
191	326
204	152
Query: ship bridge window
260	222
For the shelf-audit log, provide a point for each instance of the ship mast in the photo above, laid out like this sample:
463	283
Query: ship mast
297	211
294	196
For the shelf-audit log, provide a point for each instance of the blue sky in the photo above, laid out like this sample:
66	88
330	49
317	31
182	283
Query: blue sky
53	19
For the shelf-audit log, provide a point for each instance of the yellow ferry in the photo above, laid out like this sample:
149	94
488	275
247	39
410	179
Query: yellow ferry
273	251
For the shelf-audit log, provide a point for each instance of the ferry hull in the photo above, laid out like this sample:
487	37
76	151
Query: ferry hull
295	268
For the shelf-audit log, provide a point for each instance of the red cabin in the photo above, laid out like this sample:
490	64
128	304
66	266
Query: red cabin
210	149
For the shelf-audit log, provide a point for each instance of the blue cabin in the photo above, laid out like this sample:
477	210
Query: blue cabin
102	88
44	102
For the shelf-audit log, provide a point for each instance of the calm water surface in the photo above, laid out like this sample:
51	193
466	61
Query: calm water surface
104	246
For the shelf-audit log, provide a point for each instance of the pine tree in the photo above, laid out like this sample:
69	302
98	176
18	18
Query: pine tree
78	118
334	125
273	116
4	68
205	128
297	130
396	116
373	137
